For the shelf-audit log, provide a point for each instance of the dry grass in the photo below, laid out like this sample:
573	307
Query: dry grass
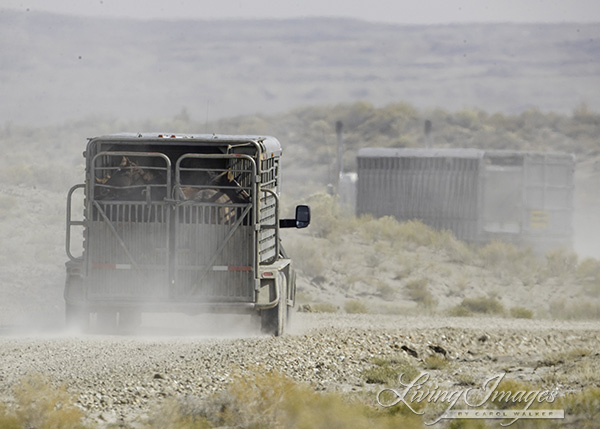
324	307
561	263
435	362
508	260
355	307
386	291
559	358
39	404
583	408
521	313
417	290
388	371
269	400
389	260
482	305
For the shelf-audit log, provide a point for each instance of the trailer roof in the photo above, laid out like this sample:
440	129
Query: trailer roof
270	144
451	153
419	153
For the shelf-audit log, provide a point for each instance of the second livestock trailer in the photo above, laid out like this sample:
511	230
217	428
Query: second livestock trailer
479	195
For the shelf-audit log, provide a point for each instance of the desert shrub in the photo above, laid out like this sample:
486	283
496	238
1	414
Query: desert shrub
484	305
465	379
373	260
174	414
559	358
460	285
510	394
588	269
521	313
508	259
435	362
588	272
324	307
583	407
417	291
265	400
355	307
325	215
40	405
577	366
459	311
456	250
402	234
388	371
583	372
560	262
386	291
8	420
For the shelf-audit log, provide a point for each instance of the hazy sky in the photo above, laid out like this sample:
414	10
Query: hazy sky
392	11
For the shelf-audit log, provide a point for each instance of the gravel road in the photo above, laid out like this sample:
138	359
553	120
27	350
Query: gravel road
118	378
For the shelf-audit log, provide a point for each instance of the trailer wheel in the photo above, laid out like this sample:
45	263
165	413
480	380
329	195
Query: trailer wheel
77	317
274	319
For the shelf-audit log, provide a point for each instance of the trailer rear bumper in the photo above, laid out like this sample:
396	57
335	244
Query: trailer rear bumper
167	307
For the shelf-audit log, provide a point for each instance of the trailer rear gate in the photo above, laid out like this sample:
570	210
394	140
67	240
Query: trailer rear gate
177	249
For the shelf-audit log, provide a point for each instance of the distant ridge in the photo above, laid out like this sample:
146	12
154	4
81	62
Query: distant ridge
58	67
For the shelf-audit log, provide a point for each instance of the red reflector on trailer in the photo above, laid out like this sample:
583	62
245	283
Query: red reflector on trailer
268	274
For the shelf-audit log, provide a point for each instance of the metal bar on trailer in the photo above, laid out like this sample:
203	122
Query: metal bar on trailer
234	227
275	226
71	222
136	154
116	234
252	208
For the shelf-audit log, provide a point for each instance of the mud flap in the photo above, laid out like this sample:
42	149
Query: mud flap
274	320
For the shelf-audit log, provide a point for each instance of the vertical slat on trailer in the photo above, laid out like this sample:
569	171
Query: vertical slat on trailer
268	248
127	248
215	242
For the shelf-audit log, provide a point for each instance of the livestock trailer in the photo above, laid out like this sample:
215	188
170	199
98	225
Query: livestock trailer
479	195
179	223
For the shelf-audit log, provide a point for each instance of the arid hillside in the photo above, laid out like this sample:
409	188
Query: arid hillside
379	266
56	68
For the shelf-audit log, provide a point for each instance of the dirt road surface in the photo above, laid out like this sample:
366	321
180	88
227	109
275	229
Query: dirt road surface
120	378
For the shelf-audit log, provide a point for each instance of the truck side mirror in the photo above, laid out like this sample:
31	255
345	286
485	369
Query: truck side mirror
302	219
302	216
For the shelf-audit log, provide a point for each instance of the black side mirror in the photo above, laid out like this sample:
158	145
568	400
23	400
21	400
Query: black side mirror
302	219
302	216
